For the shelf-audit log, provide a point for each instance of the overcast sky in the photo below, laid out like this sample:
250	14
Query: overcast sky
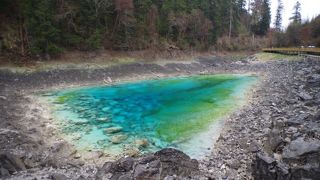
309	9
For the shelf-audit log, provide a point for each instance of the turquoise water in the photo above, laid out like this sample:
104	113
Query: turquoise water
183	112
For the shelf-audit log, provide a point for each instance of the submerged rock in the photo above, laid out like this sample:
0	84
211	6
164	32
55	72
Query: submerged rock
81	122
103	119
113	130
142	143
117	139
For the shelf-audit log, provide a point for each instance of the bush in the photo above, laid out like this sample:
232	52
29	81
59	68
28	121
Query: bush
240	43
54	49
94	41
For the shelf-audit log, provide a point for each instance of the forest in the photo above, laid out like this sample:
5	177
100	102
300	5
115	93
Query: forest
51	27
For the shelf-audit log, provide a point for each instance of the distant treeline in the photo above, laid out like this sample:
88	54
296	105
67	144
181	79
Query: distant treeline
30	27
297	34
42	27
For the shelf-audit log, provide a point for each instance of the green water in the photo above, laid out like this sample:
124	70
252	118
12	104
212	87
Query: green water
183	113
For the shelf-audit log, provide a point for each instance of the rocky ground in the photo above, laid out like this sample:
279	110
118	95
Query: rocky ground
275	136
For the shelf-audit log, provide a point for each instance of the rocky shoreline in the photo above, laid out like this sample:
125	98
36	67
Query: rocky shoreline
275	136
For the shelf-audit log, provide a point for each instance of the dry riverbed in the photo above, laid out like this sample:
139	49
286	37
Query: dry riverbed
275	135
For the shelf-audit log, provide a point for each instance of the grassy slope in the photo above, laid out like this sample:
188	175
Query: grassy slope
262	56
314	51
82	60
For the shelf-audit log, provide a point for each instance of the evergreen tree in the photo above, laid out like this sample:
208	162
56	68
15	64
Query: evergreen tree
278	18
49	26
296	14
43	30
266	17
261	17
84	24
211	9
241	6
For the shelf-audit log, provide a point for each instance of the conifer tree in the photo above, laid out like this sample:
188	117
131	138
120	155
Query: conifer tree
261	17
296	16
278	18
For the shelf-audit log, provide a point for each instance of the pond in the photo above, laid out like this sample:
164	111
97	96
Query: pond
183	112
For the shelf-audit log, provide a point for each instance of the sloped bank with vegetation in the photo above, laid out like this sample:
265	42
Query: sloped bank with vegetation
268	138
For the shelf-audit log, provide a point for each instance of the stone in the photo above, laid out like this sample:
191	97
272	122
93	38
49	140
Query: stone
102	142
300	147
143	170
317	96
254	147
77	156
264	167
76	137
162	164
115	169
103	119
305	96
132	152
277	156
274	139
176	162
113	130
117	139
314	80
125	164
93	155
81	122
56	147
57	176
235	164
4	172
282	171
292	130
11	163
316	117
297	120
29	163
105	109
3	98
308	171
287	140
142	143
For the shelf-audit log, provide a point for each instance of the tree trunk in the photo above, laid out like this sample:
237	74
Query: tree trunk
21	34
230	21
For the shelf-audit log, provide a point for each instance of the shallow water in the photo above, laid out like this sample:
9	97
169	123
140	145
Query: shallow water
184	113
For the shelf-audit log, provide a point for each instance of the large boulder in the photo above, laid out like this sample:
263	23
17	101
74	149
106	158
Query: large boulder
266	167
162	164
10	164
300	161
300	147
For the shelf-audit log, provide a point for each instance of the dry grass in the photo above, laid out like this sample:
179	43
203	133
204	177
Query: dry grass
275	56
314	51
98	59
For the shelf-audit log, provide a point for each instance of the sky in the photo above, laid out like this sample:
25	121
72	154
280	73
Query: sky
309	9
